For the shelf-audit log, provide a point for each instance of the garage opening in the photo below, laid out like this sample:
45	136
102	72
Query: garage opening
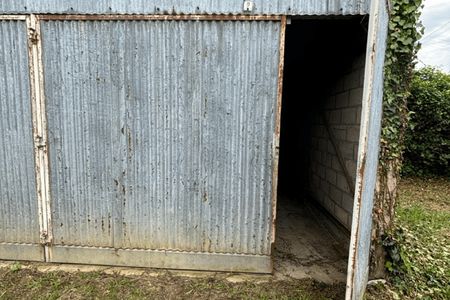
320	119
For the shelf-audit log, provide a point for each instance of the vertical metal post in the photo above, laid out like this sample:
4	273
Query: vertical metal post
276	137
368	149
39	131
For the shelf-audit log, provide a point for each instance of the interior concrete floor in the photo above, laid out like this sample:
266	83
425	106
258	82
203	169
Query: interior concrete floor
308	243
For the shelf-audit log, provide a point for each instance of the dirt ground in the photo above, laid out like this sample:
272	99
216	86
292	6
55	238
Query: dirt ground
310	262
30	283
308	244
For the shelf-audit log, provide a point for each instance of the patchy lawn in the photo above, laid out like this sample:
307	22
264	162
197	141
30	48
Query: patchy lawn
431	194
422	241
28	283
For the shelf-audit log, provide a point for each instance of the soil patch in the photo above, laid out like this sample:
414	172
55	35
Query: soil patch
29	283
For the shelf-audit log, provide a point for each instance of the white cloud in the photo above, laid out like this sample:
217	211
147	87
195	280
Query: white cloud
436	40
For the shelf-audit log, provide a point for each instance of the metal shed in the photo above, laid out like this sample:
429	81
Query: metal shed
147	133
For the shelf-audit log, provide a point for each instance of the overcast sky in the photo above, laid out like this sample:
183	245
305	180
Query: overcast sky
436	40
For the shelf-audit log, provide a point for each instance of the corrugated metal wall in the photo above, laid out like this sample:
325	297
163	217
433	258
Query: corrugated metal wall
277	7
161	133
19	219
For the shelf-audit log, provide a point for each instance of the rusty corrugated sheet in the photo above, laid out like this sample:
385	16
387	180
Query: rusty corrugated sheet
19	218
161	133
277	7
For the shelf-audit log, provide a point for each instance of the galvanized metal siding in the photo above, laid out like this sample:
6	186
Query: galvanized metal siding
358	269
277	7
161	133
19	218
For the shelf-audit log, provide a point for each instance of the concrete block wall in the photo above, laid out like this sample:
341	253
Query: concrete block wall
342	109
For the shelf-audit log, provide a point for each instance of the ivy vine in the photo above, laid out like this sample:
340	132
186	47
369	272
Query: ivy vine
404	32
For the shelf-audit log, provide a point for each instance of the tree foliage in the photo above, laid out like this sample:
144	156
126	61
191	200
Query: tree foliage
428	135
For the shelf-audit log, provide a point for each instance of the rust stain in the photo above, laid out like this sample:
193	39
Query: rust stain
124	226
129	143
359	199
280	74
109	223
206	107
33	36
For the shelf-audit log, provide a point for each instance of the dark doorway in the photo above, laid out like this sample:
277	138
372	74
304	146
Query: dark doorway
324	61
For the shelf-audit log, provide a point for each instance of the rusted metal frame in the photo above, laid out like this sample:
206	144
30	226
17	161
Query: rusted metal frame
39	130
13	17
276	136
116	17
366	115
348	178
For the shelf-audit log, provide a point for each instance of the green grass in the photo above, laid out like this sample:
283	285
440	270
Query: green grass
28	283
423	221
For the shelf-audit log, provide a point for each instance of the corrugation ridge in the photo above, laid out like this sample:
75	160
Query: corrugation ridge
254	226
237	132
172	184
201	138
257	151
224	238
235	128
247	239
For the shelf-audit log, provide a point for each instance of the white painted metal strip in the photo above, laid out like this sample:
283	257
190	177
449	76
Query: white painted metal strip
276	134
13	17
358	265
39	129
